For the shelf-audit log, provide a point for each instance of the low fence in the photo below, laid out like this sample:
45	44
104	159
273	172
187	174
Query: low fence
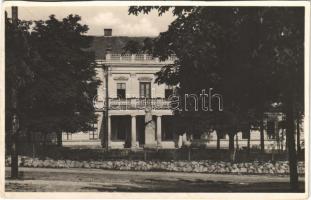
192	154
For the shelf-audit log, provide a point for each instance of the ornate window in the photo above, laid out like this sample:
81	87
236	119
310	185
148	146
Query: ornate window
121	90
145	90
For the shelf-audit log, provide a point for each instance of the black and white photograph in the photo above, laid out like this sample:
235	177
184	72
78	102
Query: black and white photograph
156	97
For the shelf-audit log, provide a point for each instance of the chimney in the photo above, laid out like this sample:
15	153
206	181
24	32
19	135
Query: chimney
107	32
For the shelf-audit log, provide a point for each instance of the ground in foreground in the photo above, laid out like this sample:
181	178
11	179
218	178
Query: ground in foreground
96	180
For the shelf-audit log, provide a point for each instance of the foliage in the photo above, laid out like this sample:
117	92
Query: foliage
253	56
59	95
132	47
234	51
18	61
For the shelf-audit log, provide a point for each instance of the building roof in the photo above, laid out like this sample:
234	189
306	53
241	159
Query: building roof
116	43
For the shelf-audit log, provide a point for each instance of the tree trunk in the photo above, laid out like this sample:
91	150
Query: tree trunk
101	131
248	142
59	139
44	139
282	139
286	140
298	135
14	137
237	142
14	153
14	156
15	123
218	133
262	137
277	136
231	146
290	137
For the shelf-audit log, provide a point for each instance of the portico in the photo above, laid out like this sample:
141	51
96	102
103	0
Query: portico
129	131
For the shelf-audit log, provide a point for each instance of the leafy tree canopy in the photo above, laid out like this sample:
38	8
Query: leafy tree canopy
242	53
59	95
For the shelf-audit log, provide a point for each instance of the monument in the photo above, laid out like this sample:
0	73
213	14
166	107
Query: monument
150	141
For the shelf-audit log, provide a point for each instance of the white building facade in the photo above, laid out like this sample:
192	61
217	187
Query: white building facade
131	90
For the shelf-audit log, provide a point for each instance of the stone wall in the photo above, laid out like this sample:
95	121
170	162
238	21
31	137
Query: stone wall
204	166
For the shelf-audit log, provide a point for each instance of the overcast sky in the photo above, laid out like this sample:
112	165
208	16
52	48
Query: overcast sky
100	17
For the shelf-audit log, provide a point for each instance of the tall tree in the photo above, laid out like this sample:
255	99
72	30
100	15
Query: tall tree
283	51
17	75
245	54
54	75
61	95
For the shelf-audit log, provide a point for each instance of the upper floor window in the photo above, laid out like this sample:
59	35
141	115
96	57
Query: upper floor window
145	90
121	91
168	91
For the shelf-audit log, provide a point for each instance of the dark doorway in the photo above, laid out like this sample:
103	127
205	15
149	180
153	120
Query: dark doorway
121	129
168	128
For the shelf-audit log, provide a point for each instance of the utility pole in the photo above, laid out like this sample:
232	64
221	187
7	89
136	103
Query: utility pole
104	135
15	124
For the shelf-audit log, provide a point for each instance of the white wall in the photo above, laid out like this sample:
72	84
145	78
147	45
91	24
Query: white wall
118	74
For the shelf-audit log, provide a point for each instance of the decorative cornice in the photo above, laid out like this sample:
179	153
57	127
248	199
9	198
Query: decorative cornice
121	78
145	78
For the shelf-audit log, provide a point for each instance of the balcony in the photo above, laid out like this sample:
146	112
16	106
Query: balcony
137	104
135	58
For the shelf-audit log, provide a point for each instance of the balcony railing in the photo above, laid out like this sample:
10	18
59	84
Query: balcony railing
135	58
137	104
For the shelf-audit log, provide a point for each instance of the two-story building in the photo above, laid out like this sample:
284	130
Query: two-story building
132	90
138	108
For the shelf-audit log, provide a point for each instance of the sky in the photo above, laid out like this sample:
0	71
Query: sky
100	17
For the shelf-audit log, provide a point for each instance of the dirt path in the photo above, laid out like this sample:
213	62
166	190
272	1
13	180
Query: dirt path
73	180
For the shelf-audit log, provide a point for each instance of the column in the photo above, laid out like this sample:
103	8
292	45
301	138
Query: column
133	132
159	130
109	132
